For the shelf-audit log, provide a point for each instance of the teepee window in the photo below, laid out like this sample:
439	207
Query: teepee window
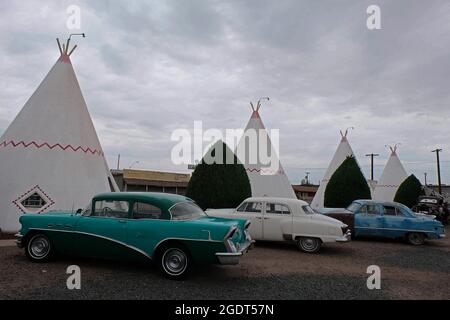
34	201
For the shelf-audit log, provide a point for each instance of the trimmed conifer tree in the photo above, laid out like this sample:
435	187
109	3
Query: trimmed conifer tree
219	184
346	185
409	191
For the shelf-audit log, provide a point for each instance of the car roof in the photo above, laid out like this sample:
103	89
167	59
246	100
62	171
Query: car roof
277	199
383	203
162	200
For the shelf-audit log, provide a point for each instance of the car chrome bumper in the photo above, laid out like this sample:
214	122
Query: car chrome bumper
345	238
229	258
19	240
442	236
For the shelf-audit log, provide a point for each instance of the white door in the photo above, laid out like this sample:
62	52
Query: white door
252	211
277	221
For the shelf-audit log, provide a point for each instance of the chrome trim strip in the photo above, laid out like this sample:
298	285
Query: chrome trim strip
227	235
229	254
209	234
97	236
241	251
345	238
394	229
183	239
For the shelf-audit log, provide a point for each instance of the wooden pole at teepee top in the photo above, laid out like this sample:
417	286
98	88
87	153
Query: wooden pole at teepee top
59	46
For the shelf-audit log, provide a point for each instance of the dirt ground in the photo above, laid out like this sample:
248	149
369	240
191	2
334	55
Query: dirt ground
269	271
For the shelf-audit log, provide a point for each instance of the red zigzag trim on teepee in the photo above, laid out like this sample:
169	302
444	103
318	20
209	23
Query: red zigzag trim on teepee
51	146
265	171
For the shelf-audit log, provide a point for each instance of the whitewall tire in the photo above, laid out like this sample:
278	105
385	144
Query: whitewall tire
174	261
309	245
39	248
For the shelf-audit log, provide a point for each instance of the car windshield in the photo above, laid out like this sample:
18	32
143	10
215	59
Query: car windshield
186	211
353	207
308	209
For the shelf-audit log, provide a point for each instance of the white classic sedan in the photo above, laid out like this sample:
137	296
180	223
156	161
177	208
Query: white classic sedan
282	219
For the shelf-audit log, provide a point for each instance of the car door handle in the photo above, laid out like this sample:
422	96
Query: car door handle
266	218
68	226
122	221
258	218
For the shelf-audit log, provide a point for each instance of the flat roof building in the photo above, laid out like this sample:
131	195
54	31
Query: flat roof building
151	181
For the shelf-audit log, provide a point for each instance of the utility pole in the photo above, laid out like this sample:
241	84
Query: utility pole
425	174
438	169
118	161
307	177
371	155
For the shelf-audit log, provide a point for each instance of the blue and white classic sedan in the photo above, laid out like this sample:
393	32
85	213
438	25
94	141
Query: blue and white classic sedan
388	220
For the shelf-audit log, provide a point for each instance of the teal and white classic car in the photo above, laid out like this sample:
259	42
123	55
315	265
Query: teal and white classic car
169	229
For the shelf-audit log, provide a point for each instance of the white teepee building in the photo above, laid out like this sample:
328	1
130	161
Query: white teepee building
392	177
343	151
50	155
265	179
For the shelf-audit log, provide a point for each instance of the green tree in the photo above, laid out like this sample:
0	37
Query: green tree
346	185
217	183
409	191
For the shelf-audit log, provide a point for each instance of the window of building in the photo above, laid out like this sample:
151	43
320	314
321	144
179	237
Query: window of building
34	201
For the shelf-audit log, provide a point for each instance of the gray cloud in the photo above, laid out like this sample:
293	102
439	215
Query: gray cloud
149	67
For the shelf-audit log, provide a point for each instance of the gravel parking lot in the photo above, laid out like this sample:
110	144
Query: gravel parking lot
269	271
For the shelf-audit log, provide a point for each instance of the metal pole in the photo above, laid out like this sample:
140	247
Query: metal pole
438	169
371	155
118	161
425	174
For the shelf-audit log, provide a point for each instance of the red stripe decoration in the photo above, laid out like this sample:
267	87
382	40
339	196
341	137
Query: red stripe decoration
264	171
67	147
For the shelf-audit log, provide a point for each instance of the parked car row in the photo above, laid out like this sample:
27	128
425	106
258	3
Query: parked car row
368	218
282	219
175	233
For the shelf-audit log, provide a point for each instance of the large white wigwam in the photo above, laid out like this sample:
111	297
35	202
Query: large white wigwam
343	151
392	177
50	155
264	179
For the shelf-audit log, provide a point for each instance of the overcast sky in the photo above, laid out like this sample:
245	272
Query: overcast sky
147	68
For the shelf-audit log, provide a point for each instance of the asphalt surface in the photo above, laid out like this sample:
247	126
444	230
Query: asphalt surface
269	271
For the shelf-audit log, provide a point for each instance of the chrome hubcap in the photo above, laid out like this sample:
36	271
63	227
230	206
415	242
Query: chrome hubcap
39	247
175	261
309	244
